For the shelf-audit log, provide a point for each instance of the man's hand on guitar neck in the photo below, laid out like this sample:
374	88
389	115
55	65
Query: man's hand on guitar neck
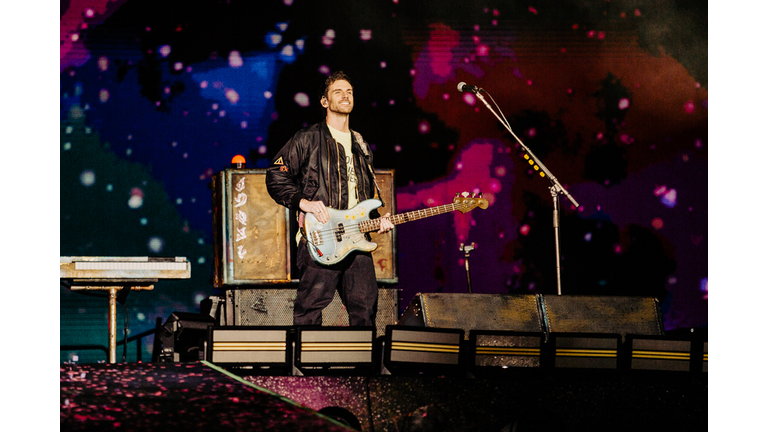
385	224
317	208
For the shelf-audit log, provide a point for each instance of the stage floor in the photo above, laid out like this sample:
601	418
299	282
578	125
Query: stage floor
200	396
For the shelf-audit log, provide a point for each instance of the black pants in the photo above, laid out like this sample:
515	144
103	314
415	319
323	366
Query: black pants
354	278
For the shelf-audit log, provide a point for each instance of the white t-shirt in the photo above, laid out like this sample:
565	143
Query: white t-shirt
345	139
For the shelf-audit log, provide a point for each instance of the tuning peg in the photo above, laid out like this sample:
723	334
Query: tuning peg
457	194
465	194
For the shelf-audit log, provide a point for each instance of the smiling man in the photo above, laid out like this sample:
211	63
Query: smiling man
329	165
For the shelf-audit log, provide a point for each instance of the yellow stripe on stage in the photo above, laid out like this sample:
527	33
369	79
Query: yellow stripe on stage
584	353
248	346
508	351
410	346
336	346
661	355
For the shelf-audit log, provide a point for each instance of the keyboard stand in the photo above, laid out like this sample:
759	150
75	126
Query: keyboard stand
114	291
119	276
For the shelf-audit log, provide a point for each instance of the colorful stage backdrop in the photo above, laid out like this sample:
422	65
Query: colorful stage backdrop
157	97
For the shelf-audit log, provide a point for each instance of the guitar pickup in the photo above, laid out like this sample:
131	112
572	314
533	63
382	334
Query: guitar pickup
317	239
356	238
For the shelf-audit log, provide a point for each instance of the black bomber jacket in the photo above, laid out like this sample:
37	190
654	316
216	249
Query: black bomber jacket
312	165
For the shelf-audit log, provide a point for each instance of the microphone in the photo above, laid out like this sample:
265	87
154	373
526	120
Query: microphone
464	87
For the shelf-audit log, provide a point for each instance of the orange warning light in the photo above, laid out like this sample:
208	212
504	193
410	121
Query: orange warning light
238	161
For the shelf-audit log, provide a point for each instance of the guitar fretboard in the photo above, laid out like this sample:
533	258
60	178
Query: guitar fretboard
374	224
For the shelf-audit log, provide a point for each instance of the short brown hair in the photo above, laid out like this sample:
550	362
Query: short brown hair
336	76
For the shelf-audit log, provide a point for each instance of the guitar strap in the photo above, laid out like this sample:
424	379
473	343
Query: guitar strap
364	147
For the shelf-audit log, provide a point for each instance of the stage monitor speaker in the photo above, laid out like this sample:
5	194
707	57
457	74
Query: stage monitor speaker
183	337
658	353
474	312
323	350
584	351
274	307
255	238
596	314
423	350
261	349
493	349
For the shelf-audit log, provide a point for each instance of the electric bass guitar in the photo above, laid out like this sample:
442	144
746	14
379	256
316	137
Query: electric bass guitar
346	230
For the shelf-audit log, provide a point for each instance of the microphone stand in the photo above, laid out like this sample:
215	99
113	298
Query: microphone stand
554	190
467	249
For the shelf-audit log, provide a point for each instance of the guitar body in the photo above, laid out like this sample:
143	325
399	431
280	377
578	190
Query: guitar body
331	242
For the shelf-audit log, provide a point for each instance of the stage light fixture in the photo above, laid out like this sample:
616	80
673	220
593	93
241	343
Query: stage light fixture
659	353
496	350
584	350
422	349
262	349
334	349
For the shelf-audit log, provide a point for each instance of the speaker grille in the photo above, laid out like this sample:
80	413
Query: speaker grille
474	312
270	307
594	314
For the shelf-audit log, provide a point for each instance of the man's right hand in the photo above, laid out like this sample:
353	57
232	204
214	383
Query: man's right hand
317	208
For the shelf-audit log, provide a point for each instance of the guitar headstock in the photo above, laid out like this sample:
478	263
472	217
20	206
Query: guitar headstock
469	202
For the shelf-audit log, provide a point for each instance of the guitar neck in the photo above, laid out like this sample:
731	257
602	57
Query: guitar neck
374	224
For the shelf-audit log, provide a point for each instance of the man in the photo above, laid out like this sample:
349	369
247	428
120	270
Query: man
329	165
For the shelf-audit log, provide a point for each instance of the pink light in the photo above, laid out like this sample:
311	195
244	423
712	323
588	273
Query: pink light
483	50
302	99
525	229
365	35
690	107
103	63
446	96
657	223
623	103
424	127
501	171
204	84
232	96
235	60
328	37
532	10
89	13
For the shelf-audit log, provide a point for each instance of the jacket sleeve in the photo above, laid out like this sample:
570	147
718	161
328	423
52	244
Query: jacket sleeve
283	174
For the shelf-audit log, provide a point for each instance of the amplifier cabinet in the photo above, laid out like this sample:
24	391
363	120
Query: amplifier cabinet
255	238
251	231
274	307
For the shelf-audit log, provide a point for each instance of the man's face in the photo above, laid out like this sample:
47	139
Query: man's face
340	99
